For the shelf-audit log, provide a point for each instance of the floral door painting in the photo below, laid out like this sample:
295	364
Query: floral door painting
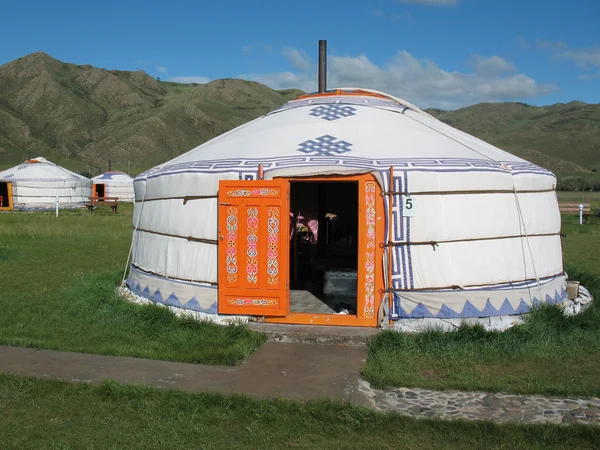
253	247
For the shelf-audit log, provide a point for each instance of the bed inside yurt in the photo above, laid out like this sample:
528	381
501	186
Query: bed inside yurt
37	184
347	207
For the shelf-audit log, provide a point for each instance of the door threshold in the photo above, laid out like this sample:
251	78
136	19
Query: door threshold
342	320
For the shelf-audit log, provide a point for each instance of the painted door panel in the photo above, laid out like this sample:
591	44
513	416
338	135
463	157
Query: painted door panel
253	247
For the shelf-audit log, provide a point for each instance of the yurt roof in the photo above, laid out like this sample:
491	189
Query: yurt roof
357	128
115	176
39	169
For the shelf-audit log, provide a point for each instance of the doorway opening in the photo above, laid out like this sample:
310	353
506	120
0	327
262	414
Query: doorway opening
5	196
98	190
324	247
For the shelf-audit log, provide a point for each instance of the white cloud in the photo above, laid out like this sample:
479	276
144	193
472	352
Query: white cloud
246	49
589	76
493	65
553	46
584	58
298	59
419	81
431	2
192	79
161	69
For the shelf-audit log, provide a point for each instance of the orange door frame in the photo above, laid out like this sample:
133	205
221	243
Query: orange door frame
370	282
10	206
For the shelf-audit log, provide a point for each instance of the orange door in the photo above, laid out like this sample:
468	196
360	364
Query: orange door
254	247
8	201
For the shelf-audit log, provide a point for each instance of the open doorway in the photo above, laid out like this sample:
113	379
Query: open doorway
324	247
98	190
5	196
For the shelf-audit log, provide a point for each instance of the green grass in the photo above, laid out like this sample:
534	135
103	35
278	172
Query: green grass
41	414
549	354
580	197
581	247
58	292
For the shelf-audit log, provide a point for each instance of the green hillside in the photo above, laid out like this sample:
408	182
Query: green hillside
80	116
564	138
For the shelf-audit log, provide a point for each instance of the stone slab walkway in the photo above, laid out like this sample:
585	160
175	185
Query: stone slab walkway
299	372
498	408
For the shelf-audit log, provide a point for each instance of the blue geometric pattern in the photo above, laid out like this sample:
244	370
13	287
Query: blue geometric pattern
332	111
325	145
402	273
171	300
469	310
435	165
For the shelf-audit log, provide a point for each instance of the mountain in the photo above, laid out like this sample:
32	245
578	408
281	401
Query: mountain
564	138
81	116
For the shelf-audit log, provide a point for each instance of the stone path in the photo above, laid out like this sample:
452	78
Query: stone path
499	408
300	371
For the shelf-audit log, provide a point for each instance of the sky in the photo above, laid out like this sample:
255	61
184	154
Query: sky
433	53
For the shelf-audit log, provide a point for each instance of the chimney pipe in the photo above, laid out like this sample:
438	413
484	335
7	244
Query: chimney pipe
109	165
322	66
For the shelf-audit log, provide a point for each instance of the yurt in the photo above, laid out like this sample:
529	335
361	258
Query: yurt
347	207
36	184
113	183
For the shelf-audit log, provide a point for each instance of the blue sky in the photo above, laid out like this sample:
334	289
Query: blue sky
445	53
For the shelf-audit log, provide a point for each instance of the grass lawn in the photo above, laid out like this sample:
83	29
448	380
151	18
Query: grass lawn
580	197
58	282
41	414
550	354
59	275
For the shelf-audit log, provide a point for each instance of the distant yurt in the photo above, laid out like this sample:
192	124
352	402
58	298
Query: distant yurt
113	183
35	185
347	207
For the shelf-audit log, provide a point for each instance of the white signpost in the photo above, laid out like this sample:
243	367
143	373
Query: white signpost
57	206
408	206
580	214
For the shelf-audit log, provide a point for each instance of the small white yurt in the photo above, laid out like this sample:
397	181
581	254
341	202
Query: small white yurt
393	216
113	183
36	184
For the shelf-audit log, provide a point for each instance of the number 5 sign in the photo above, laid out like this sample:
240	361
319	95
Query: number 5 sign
408	206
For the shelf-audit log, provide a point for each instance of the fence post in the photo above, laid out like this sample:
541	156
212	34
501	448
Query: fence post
580	214
56	206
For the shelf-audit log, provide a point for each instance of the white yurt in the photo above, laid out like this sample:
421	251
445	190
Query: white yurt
36	184
113	183
407	218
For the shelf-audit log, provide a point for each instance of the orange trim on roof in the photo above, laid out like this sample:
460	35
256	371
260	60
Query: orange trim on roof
343	92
